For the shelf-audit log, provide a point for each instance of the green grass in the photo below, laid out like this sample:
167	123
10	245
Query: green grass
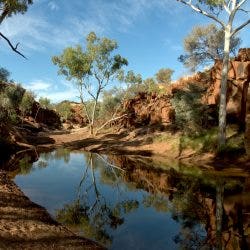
207	142
204	142
163	137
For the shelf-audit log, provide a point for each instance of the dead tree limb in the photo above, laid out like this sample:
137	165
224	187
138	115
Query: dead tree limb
14	48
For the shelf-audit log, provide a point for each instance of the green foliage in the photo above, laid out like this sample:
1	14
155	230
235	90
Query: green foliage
10	7
149	85
206	141
4	75
188	109
110	102
74	64
45	102
13	99
64	110
15	94
164	75
132	78
27	103
234	146
25	165
136	85
92	68
204	45
159	202
10	99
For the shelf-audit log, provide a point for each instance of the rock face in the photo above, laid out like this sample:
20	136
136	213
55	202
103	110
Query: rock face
238	82
77	116
45	116
148	109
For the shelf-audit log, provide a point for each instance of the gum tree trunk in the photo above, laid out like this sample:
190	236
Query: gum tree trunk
223	90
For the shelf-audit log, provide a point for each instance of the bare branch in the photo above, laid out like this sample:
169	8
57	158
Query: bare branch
14	48
245	11
109	121
226	8
240	4
240	27
199	10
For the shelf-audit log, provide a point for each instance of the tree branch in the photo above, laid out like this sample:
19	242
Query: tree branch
14	48
226	8
240	4
240	27
199	10
245	11
109	121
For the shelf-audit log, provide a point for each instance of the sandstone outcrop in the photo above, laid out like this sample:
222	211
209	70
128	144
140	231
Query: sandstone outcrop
77	115
46	116
238	82
149	109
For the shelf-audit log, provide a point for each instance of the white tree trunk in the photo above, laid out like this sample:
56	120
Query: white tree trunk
223	89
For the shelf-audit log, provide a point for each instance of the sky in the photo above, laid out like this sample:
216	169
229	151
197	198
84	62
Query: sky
149	33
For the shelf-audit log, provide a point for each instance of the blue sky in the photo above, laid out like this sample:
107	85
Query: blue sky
149	34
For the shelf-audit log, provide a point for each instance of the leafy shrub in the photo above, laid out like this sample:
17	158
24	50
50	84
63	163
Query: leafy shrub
45	102
206	141
64	110
4	75
27	103
191	115
110	102
15	94
7	112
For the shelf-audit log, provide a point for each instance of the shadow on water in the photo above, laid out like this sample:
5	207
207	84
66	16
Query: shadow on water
115	197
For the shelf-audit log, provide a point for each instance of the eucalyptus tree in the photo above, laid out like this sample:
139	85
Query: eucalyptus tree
92	68
4	75
9	8
204	45
224	13
164	75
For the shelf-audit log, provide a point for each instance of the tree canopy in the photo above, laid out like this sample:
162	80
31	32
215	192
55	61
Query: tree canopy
4	75
9	8
205	44
92	68
164	75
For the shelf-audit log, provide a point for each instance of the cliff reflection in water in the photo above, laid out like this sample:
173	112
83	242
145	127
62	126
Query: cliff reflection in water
211	208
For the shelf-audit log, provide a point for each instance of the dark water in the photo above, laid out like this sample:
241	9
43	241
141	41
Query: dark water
135	203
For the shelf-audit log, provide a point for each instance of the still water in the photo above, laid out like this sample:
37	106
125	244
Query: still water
135	203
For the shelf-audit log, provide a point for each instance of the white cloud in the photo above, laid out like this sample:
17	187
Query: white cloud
60	95
55	92
36	30
38	85
37	33
53	6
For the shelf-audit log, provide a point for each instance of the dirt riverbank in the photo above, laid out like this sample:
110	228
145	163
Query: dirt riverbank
26	225
164	146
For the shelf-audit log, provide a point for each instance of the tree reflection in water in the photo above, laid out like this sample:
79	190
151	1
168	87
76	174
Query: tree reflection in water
208	205
199	206
97	217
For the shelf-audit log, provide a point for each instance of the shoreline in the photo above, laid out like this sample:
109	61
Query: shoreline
125	143
27	225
